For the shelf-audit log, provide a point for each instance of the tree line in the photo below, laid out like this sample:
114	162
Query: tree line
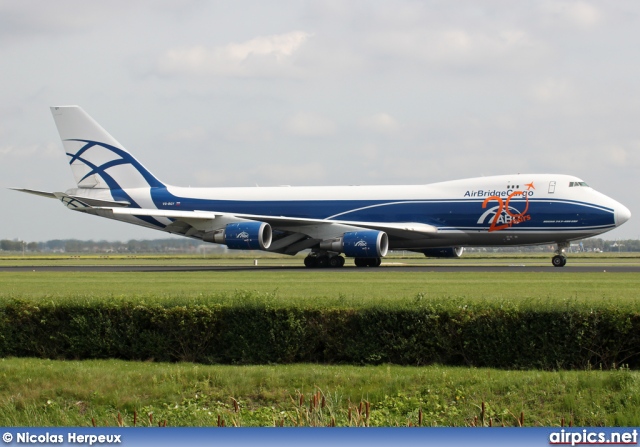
131	246
134	246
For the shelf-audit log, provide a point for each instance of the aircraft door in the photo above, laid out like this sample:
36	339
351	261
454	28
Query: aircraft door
552	187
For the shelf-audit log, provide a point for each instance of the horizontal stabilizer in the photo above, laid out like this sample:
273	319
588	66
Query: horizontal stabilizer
86	201
101	202
49	195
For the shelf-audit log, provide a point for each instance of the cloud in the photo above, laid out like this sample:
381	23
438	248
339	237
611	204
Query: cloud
307	124
276	174
28	19
24	152
458	46
190	134
207	177
369	153
578	13
380	123
248	132
616	155
17	22
294	173
264	56
551	90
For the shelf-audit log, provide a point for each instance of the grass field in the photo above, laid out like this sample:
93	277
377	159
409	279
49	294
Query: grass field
328	287
44	392
397	258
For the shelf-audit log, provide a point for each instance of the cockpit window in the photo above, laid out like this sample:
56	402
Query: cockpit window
573	184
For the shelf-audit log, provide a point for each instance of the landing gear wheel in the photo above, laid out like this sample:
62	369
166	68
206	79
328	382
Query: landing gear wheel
310	262
368	262
336	261
559	261
322	261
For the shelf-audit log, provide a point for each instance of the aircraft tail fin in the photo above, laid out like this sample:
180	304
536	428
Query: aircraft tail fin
97	160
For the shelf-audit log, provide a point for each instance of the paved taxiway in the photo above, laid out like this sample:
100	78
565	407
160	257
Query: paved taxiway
347	270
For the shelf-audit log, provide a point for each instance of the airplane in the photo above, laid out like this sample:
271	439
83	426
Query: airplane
360	222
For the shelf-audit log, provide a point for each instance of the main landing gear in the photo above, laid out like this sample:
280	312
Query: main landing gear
368	262
334	260
560	260
322	260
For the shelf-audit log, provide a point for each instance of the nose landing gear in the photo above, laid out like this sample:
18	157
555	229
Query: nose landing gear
560	260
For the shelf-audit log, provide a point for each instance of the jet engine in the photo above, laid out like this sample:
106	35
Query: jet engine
359	244
243	236
447	252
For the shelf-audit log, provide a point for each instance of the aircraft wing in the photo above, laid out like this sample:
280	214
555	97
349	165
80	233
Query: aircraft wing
298	233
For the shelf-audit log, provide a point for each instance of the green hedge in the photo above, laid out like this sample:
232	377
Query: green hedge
483	335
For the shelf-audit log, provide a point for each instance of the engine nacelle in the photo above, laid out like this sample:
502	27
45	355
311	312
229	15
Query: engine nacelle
359	244
447	252
243	236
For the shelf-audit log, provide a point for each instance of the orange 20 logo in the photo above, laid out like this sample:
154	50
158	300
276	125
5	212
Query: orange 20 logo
500	222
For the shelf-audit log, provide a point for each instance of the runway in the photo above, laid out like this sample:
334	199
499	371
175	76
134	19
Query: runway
515	268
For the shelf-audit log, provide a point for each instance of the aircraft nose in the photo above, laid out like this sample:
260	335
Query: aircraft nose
622	214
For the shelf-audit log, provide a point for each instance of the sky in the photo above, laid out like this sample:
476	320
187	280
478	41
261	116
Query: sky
327	92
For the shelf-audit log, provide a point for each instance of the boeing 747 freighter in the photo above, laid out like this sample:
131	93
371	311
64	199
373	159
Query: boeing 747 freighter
361	222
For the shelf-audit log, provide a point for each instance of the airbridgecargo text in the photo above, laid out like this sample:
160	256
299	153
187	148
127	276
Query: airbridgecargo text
71	438
481	193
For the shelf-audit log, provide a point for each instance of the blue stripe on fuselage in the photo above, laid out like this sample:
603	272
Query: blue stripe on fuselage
456	213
